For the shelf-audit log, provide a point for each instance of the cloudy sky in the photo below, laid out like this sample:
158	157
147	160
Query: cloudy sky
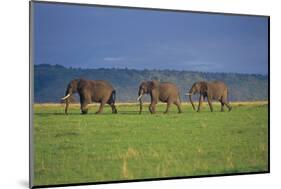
95	37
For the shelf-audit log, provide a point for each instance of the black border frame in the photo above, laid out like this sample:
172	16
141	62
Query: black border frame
31	92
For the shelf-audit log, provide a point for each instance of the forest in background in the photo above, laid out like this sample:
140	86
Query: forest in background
50	82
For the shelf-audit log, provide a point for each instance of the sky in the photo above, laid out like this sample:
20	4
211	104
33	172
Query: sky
106	37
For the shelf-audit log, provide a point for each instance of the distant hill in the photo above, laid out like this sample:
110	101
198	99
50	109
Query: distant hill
50	82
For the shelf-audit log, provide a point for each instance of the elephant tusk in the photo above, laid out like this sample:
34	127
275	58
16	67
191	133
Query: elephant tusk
66	96
139	97
188	94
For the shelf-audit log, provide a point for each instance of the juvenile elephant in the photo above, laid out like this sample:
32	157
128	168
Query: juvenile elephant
215	90
163	91
91	91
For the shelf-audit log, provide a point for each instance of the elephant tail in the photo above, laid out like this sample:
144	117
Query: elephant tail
179	96
227	95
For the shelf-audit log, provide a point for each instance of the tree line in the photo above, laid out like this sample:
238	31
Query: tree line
50	82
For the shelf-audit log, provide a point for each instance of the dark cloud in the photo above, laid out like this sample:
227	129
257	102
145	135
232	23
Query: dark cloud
93	37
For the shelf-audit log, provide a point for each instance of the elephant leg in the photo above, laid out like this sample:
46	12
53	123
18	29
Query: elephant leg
168	107
222	106
210	103
111	102
200	102
226	103
152	108
84	104
177	103
100	108
141	107
228	106
84	108
114	110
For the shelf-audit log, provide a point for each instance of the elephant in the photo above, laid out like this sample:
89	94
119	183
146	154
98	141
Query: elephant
213	90
162	91
91	91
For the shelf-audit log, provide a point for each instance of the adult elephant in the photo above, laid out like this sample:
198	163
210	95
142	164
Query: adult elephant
159	91
215	90
91	91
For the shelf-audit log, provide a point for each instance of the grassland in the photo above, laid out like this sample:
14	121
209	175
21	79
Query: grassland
78	148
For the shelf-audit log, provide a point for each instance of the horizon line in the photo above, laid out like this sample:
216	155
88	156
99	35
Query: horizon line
144	69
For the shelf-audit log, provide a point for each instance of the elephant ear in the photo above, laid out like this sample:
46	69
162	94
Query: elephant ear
154	84
203	87
76	83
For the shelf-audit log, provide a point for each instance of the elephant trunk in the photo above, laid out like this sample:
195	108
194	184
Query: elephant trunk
66	105
190	99
140	96
68	93
140	100
191	92
140	106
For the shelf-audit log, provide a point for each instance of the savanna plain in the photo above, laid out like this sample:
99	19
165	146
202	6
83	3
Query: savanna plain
77	148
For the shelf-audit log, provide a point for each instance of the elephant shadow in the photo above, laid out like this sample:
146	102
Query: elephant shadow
47	114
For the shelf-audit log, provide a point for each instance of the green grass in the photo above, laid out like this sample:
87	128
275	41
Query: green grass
78	148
